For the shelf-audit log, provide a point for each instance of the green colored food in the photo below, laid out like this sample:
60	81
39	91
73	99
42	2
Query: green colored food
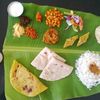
25	49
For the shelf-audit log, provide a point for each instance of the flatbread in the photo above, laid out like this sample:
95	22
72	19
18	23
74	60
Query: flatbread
24	81
55	70
41	60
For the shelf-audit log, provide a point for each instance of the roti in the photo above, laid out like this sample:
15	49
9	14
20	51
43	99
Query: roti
41	60
55	70
24	81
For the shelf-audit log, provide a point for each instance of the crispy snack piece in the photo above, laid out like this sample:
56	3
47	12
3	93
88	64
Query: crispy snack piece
70	41
24	81
51	36
83	39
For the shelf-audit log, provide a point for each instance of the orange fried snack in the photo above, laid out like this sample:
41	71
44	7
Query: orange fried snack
83	39
70	41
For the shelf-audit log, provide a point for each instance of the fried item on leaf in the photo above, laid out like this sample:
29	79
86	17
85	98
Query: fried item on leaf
70	41
83	39
24	81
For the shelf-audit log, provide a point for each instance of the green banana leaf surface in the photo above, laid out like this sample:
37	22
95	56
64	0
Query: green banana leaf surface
24	50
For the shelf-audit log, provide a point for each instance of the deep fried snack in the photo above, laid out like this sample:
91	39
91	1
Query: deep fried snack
83	39
70	41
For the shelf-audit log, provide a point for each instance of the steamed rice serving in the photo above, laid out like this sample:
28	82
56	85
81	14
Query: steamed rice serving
88	69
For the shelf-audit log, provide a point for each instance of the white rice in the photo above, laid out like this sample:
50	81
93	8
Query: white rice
88	78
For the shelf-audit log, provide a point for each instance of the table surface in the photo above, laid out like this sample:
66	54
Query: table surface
82	5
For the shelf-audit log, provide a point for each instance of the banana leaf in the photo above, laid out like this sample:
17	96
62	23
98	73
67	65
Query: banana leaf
24	50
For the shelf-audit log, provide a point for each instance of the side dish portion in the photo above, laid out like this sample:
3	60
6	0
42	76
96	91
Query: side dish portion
24	81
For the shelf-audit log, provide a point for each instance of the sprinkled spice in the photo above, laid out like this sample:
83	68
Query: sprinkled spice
38	17
30	32
24	20
70	41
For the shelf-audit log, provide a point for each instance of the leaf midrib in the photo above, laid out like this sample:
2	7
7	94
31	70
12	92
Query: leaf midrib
38	49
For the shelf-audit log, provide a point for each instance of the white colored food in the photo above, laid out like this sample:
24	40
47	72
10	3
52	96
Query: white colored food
97	34
1	57
41	60
49	53
55	70
88	78
15	9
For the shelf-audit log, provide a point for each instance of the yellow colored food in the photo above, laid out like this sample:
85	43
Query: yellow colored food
24	81
18	30
83	39
70	41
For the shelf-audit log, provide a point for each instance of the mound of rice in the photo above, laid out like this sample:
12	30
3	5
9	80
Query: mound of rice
83	72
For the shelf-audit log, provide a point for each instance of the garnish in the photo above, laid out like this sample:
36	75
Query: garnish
74	20
53	17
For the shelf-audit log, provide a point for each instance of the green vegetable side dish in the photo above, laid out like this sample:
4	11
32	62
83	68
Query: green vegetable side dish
25	49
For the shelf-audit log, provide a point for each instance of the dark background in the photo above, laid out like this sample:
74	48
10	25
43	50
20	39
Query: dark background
92	6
